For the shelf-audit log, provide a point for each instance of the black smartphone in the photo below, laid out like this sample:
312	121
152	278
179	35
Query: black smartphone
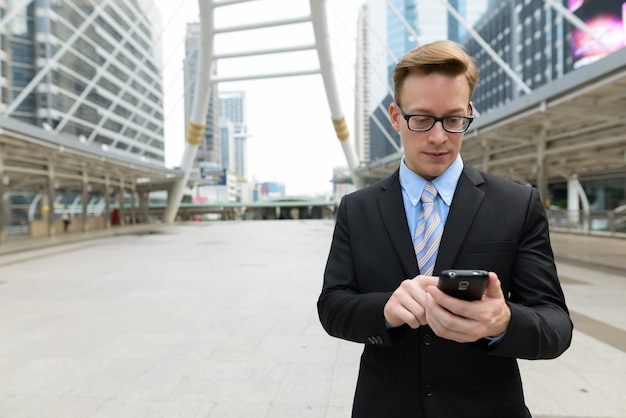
464	284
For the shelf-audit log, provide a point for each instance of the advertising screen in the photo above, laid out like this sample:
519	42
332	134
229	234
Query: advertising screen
606	20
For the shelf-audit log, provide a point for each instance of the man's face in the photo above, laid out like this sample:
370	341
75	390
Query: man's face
430	153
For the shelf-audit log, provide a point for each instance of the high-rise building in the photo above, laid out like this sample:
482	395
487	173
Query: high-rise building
223	147
386	31
209	150
539	44
232	108
227	139
362	94
531	37
86	70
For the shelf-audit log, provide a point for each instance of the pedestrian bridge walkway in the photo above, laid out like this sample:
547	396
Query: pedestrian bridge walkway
219	320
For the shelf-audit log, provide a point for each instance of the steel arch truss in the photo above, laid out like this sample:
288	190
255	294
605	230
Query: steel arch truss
206	77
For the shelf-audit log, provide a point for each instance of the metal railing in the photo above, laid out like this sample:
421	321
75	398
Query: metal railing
593	222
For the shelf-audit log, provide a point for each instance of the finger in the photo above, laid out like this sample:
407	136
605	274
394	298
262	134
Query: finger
494	288
447	325
414	313
425	281
403	308
406	305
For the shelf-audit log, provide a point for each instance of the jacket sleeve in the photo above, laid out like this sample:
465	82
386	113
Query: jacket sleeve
540	326
345	309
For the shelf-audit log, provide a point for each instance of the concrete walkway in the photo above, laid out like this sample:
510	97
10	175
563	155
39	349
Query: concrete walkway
219	320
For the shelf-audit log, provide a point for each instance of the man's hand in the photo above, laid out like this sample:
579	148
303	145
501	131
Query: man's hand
407	303
463	321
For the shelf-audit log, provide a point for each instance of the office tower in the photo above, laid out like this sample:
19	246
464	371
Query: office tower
227	143
532	38
404	25
86	70
232	108
362	94
539	44
209	149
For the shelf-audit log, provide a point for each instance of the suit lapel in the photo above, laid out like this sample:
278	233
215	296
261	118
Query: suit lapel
465	204
394	218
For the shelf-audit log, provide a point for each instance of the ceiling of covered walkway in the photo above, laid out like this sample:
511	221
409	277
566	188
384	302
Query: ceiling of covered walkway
31	158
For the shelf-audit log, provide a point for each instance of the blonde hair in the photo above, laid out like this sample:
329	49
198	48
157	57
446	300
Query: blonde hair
442	57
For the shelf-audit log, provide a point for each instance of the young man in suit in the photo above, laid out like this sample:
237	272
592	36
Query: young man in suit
428	354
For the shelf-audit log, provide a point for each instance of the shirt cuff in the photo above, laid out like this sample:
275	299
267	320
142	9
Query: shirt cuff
495	340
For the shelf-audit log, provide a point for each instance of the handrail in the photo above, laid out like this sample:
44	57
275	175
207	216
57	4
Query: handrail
593	222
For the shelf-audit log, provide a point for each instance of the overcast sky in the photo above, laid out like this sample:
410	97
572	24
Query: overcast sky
292	137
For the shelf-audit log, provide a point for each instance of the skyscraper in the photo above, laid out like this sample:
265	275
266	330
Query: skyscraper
209	149
405	24
86	70
232	108
532	38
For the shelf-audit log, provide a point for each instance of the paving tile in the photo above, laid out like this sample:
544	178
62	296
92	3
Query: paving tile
219	320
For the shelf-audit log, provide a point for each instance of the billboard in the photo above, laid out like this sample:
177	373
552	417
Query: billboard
606	19
214	176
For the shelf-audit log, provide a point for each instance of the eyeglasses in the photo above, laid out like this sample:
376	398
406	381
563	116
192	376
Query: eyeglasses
423	123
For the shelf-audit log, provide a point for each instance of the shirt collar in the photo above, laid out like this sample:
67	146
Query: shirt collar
413	184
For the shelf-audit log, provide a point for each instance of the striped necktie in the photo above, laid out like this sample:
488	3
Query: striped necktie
428	232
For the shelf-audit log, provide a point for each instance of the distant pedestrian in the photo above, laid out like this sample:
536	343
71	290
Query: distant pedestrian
65	215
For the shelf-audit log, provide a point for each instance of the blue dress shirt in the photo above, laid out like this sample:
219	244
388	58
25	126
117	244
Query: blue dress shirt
413	185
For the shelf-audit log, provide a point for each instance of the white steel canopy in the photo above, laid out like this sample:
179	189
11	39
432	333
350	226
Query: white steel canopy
206	76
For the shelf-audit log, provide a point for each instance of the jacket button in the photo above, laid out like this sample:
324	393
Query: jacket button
428	390
428	339
375	339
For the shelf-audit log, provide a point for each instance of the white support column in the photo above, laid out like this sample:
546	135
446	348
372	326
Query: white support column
577	198
542	175
49	202
107	201
120	201
200	107
320	27
133	204
84	192
5	210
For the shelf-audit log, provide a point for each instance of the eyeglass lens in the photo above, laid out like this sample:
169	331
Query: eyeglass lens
424	123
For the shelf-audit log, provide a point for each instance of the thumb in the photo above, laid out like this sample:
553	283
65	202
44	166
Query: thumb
493	290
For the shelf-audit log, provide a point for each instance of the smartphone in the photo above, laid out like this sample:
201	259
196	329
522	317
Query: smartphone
464	284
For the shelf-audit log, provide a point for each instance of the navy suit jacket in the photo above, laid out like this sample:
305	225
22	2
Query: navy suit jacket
493	224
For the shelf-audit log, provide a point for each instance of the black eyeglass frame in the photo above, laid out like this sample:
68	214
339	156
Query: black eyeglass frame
406	117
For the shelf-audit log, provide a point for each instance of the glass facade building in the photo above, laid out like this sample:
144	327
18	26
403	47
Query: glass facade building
531	37
232	109
407	24
539	44
86	70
